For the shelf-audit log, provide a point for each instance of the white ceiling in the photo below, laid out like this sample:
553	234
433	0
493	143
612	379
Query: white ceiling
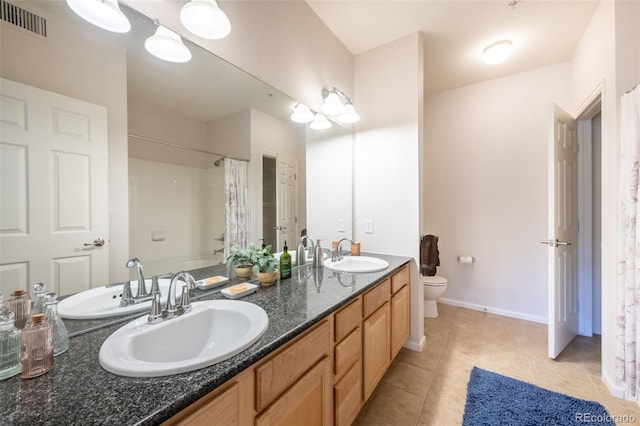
543	32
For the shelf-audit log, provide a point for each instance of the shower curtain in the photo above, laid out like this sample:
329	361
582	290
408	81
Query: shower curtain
628	291
236	189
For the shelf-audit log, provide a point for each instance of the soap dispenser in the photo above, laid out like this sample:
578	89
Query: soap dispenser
10	363
285	263
318	256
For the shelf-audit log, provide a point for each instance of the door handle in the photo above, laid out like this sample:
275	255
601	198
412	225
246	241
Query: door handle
98	242
280	228
555	243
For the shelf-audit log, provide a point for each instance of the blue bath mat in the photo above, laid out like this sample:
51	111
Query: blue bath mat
493	399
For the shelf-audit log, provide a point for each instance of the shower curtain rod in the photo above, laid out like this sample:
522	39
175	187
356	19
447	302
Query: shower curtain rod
175	145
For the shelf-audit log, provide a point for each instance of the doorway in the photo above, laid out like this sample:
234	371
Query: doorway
269	200
590	217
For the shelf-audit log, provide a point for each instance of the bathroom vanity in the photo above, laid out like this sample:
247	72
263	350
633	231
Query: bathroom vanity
331	337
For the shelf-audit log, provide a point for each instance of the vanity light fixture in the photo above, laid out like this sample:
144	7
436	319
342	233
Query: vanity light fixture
349	115
105	14
497	52
320	122
338	104
302	114
205	19
167	45
332	104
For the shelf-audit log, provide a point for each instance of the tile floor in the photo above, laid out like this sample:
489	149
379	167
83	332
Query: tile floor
430	387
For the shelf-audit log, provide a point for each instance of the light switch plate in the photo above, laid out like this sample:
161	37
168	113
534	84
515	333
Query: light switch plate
340	225
368	226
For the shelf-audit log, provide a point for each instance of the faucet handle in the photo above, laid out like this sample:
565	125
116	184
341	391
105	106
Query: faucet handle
185	299
155	285
127	297
155	315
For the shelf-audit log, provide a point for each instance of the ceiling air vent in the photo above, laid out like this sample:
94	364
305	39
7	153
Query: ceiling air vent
23	18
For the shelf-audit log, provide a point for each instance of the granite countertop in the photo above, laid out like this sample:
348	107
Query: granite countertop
79	391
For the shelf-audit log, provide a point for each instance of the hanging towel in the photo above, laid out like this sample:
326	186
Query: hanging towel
429	255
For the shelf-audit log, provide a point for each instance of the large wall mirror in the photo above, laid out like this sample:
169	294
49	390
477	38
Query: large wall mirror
168	126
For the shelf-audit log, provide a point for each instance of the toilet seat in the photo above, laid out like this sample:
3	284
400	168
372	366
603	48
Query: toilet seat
434	281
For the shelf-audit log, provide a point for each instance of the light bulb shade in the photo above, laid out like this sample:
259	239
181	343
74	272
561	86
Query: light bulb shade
497	52
320	122
332	104
349	115
205	19
105	14
167	45
302	114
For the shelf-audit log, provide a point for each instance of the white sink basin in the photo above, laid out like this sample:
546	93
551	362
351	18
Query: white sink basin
357	264
214	331
308	258
104	302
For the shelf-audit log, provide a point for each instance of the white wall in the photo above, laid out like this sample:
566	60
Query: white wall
608	56
386	158
329	177
78	65
486	188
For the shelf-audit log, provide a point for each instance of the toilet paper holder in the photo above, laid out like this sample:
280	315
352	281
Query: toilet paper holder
466	259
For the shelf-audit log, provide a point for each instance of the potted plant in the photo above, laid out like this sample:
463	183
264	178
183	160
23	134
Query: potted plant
264	265
240	259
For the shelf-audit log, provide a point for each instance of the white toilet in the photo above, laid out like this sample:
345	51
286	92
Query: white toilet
434	287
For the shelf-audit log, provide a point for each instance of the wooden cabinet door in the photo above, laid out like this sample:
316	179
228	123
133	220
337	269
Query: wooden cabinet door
399	320
308	402
376	348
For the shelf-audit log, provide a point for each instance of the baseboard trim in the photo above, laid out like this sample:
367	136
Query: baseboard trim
416	346
615	390
492	310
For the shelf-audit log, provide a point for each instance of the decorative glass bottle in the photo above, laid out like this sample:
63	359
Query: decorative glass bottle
39	294
37	348
60	334
20	305
10	363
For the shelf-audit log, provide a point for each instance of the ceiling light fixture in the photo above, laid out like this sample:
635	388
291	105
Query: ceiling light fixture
105	14
320	122
497	52
167	45
205	19
302	114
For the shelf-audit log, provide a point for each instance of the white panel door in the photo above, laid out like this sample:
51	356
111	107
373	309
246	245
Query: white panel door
53	183
563	232
287	209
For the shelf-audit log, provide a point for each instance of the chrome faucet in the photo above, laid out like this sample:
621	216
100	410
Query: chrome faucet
337	255
172	308
142	287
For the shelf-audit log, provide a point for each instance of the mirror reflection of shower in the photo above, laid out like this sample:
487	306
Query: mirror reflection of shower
175	195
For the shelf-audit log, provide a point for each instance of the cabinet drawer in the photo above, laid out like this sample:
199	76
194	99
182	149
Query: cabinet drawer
348	396
400	279
376	297
347	319
278	373
348	351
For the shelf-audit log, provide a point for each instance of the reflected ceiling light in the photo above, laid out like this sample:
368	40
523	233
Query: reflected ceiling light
105	14
302	114
205	19
167	45
320	122
497	52
332	103
349	115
